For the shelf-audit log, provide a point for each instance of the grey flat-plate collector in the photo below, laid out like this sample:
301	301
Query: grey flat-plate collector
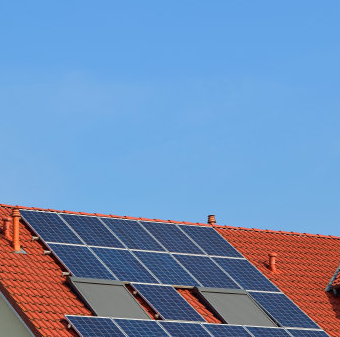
108	298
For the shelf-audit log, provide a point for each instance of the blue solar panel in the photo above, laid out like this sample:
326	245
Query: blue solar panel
92	231
268	332
185	329
166	268
308	333
81	262
124	265
132	234
206	271
283	310
139	328
95	326
246	274
168	302
50	227
223	330
211	241
172	238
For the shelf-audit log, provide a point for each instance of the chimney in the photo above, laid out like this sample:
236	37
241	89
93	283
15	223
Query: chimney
272	261
211	220
6	228
16	218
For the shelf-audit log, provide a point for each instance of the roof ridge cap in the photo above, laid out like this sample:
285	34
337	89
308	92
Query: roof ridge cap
278	232
173	221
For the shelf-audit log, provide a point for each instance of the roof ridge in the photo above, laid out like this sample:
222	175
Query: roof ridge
174	221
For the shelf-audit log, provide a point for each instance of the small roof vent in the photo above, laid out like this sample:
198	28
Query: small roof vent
211	219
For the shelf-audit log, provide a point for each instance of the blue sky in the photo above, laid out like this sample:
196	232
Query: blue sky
174	110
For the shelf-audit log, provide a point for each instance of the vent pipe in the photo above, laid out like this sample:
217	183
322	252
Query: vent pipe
211	220
16	218
272	262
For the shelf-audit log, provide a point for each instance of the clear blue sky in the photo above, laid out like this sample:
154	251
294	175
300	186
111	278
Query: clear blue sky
174	109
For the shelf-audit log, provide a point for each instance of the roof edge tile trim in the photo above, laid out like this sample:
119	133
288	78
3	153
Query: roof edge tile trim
172	221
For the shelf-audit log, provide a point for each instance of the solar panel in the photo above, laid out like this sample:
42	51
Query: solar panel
81	261
92	231
268	332
172	238
50	227
283	310
206	271
139	328
94	326
211	241
133	234
185	329
168	302
223	330
124	265
307	333
166	268
245	274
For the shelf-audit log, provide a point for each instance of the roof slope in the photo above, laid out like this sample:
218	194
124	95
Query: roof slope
306	264
34	284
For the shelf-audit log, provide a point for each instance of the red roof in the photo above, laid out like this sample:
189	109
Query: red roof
34	284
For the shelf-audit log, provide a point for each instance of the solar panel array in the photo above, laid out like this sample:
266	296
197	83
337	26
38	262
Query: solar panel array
104	326
155	256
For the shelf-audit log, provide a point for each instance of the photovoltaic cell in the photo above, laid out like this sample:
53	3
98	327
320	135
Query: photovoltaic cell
212	242
245	274
50	227
92	231
172	238
308	333
95	326
124	265
185	329
168	302
132	234
139	328
166	268
206	271
223	330
283	310
81	262
266	332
